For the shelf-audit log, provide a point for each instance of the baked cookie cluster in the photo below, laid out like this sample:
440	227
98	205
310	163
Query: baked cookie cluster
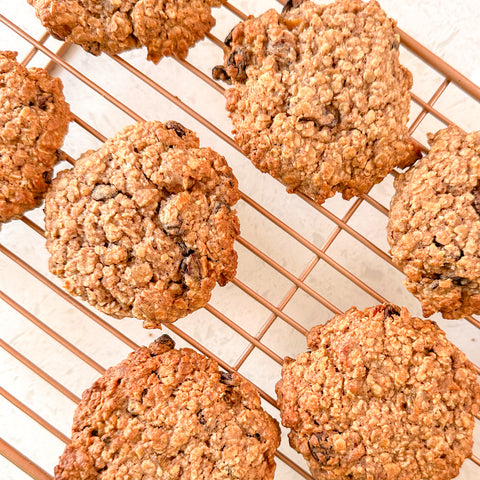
434	225
165	27
318	97
380	395
34	118
165	414
143	226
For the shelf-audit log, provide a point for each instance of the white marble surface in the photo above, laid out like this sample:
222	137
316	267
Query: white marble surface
448	27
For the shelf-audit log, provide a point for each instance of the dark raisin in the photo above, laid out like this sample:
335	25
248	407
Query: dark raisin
44	100
219	73
239	60
217	207
390	310
177	127
310	119
460	281
329	118
283	51
201	418
144	392
229	38
320	447
166	340
95	433
476	199
436	243
191	266
336	115
226	378
184	248
291	4
172	228
257	436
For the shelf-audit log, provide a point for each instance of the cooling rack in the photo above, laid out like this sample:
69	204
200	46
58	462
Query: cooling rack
299	263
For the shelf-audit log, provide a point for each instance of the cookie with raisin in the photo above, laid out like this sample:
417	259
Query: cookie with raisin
144	226
318	97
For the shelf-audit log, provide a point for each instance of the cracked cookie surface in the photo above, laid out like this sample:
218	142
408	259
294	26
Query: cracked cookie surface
319	99
34	120
165	27
380	395
166	414
434	225
143	226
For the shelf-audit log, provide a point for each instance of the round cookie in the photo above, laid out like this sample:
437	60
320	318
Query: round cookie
380	395
166	414
319	99
34	120
143	226
165	27
434	225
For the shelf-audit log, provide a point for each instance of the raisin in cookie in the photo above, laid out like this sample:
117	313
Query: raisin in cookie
380	395
143	226
434	225
34	120
165	27
169	414
319	99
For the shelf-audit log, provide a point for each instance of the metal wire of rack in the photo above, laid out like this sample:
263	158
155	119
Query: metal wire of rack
298	280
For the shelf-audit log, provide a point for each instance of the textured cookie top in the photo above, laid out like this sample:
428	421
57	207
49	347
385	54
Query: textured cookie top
143	226
34	120
319	99
165	27
165	414
380	395
434	225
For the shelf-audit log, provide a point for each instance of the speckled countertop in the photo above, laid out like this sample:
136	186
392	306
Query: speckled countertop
448	27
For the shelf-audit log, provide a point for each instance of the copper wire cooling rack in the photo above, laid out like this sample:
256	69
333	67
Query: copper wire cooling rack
299	263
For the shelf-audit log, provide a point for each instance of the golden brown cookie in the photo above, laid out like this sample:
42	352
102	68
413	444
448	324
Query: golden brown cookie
319	99
34	120
143	226
434	225
380	395
165	27
166	414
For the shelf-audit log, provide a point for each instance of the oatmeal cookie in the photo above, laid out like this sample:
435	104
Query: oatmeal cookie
434	225
319	99
34	120
169	414
165	27
380	395
143	226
